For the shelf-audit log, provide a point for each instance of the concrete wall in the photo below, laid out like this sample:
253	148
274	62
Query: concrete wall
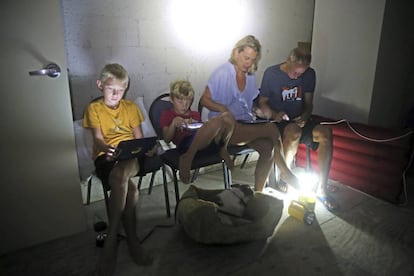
345	48
146	37
362	52
393	95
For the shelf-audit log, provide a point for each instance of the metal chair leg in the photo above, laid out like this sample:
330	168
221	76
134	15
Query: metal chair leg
106	200
88	193
274	176
244	161
151	182
176	189
226	176
195	175
140	182
166	196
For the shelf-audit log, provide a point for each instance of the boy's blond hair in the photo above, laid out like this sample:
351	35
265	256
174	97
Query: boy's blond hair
114	71
181	89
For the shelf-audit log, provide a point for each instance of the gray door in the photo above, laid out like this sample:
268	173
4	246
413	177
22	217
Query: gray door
40	197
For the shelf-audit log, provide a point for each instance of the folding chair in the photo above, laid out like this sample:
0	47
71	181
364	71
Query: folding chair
147	165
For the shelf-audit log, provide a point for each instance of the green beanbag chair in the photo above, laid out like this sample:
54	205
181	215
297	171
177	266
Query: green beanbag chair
203	219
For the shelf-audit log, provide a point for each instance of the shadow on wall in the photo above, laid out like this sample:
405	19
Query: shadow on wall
82	91
336	110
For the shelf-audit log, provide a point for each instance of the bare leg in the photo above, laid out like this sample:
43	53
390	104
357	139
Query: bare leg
218	129
118	179
136	251
285	173
323	135
279	158
290	140
248	134
264	163
224	138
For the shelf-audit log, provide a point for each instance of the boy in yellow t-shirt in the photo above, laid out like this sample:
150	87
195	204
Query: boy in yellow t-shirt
113	119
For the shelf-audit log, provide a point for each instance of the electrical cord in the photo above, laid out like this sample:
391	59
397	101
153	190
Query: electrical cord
100	226
163	225
366	137
153	230
410	161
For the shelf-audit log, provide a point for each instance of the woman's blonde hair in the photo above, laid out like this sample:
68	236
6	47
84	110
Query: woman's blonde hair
114	71
181	89
251	42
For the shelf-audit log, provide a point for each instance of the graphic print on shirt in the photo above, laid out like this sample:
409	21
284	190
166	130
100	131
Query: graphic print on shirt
118	126
291	94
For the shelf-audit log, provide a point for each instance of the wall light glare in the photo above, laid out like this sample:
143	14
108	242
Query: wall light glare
208	24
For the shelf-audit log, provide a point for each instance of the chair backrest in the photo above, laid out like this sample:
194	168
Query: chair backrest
203	112
160	104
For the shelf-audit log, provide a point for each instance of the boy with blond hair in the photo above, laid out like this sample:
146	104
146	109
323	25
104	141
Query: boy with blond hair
113	119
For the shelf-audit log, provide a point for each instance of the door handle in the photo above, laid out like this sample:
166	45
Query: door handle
52	70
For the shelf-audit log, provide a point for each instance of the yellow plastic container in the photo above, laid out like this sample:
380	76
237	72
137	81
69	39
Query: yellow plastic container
300	212
308	201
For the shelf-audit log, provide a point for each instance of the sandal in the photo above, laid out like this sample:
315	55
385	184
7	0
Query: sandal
329	203
282	186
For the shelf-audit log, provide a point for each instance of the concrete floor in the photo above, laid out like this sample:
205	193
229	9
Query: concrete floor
366	236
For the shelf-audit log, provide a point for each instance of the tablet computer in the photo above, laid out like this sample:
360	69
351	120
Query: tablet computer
134	148
257	121
193	126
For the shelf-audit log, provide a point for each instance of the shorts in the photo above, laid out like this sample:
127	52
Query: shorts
307	137
104	167
187	141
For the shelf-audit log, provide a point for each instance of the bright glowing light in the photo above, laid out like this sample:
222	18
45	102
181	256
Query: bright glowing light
208	25
308	181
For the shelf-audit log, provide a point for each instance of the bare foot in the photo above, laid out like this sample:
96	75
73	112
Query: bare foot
226	157
184	167
139	255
